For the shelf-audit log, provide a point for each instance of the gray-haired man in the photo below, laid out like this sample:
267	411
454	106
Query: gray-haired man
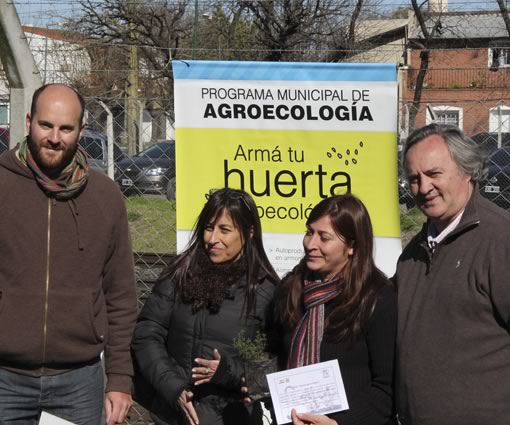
453	364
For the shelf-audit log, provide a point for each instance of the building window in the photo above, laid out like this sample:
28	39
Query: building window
499	119
446	115
4	114
499	57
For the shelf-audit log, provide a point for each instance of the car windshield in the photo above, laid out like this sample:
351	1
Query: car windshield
489	141
160	150
92	146
500	157
118	155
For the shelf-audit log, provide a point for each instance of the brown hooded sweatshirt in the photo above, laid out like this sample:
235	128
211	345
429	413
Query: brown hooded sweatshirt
67	286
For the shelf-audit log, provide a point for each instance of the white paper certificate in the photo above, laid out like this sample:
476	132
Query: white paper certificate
316	389
47	419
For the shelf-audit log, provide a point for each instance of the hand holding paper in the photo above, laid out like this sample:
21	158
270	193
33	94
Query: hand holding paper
317	389
309	419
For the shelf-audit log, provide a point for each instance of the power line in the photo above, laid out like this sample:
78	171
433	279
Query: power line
208	2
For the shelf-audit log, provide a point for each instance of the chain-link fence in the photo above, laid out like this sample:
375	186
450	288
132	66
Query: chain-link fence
136	148
139	137
128	91
141	144
485	118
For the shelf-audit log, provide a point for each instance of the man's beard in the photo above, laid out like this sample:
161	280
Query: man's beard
52	169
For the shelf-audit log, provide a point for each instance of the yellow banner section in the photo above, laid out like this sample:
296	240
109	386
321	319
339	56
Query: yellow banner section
287	172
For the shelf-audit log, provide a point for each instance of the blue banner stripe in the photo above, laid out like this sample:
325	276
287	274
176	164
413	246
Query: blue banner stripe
284	71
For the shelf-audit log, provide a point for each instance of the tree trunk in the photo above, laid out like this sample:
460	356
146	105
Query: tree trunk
418	89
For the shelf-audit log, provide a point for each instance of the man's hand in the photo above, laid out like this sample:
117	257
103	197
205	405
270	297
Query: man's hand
116	407
187	407
206	369
308	419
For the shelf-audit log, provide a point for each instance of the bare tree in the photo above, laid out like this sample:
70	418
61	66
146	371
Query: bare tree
428	32
226	32
345	40
274	30
154	28
504	13
303	29
131	44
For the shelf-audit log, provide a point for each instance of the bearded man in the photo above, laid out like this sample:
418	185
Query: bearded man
67	286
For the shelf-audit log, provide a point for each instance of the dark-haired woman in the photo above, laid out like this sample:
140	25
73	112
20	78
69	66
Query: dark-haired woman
336	305
220	287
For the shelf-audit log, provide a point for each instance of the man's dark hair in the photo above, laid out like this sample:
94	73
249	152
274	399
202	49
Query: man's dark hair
38	92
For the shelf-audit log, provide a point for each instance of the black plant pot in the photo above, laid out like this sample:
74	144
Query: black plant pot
255	374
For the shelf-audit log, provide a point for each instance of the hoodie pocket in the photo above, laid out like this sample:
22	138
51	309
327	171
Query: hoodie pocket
77	325
22	327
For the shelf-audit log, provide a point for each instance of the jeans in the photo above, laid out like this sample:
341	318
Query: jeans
76	396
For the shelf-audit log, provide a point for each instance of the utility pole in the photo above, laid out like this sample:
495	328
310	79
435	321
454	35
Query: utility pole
194	32
132	101
132	113
19	65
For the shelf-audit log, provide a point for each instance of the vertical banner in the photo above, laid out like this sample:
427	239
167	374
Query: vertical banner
290	134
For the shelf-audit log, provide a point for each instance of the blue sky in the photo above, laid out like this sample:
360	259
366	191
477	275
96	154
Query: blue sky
44	12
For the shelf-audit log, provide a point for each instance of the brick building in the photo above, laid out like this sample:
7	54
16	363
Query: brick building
468	78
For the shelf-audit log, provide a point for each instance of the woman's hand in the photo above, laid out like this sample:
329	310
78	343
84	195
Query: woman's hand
309	419
246	393
187	407
206	369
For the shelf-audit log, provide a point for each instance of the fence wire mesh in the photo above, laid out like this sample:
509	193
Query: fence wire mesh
139	136
144	168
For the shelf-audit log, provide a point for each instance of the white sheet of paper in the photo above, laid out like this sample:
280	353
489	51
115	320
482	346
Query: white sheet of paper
48	419
317	389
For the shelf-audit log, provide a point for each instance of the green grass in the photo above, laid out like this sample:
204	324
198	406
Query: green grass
152	224
411	222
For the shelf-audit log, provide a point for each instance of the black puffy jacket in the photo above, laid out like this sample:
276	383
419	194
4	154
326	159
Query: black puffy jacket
168	337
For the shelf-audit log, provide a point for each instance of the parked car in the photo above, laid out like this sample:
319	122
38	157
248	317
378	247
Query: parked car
489	141
4	140
150	171
404	193
497	185
95	144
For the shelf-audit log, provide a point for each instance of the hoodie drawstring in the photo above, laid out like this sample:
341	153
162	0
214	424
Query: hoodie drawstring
76	216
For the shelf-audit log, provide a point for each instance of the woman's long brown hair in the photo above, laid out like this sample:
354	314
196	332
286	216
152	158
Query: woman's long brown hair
360	279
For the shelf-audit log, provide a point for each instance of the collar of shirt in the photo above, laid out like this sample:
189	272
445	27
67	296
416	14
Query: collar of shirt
433	239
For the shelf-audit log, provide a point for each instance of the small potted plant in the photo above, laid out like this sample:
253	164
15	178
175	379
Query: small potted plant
257	363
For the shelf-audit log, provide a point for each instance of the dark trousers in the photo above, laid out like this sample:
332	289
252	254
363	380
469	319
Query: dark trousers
76	396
